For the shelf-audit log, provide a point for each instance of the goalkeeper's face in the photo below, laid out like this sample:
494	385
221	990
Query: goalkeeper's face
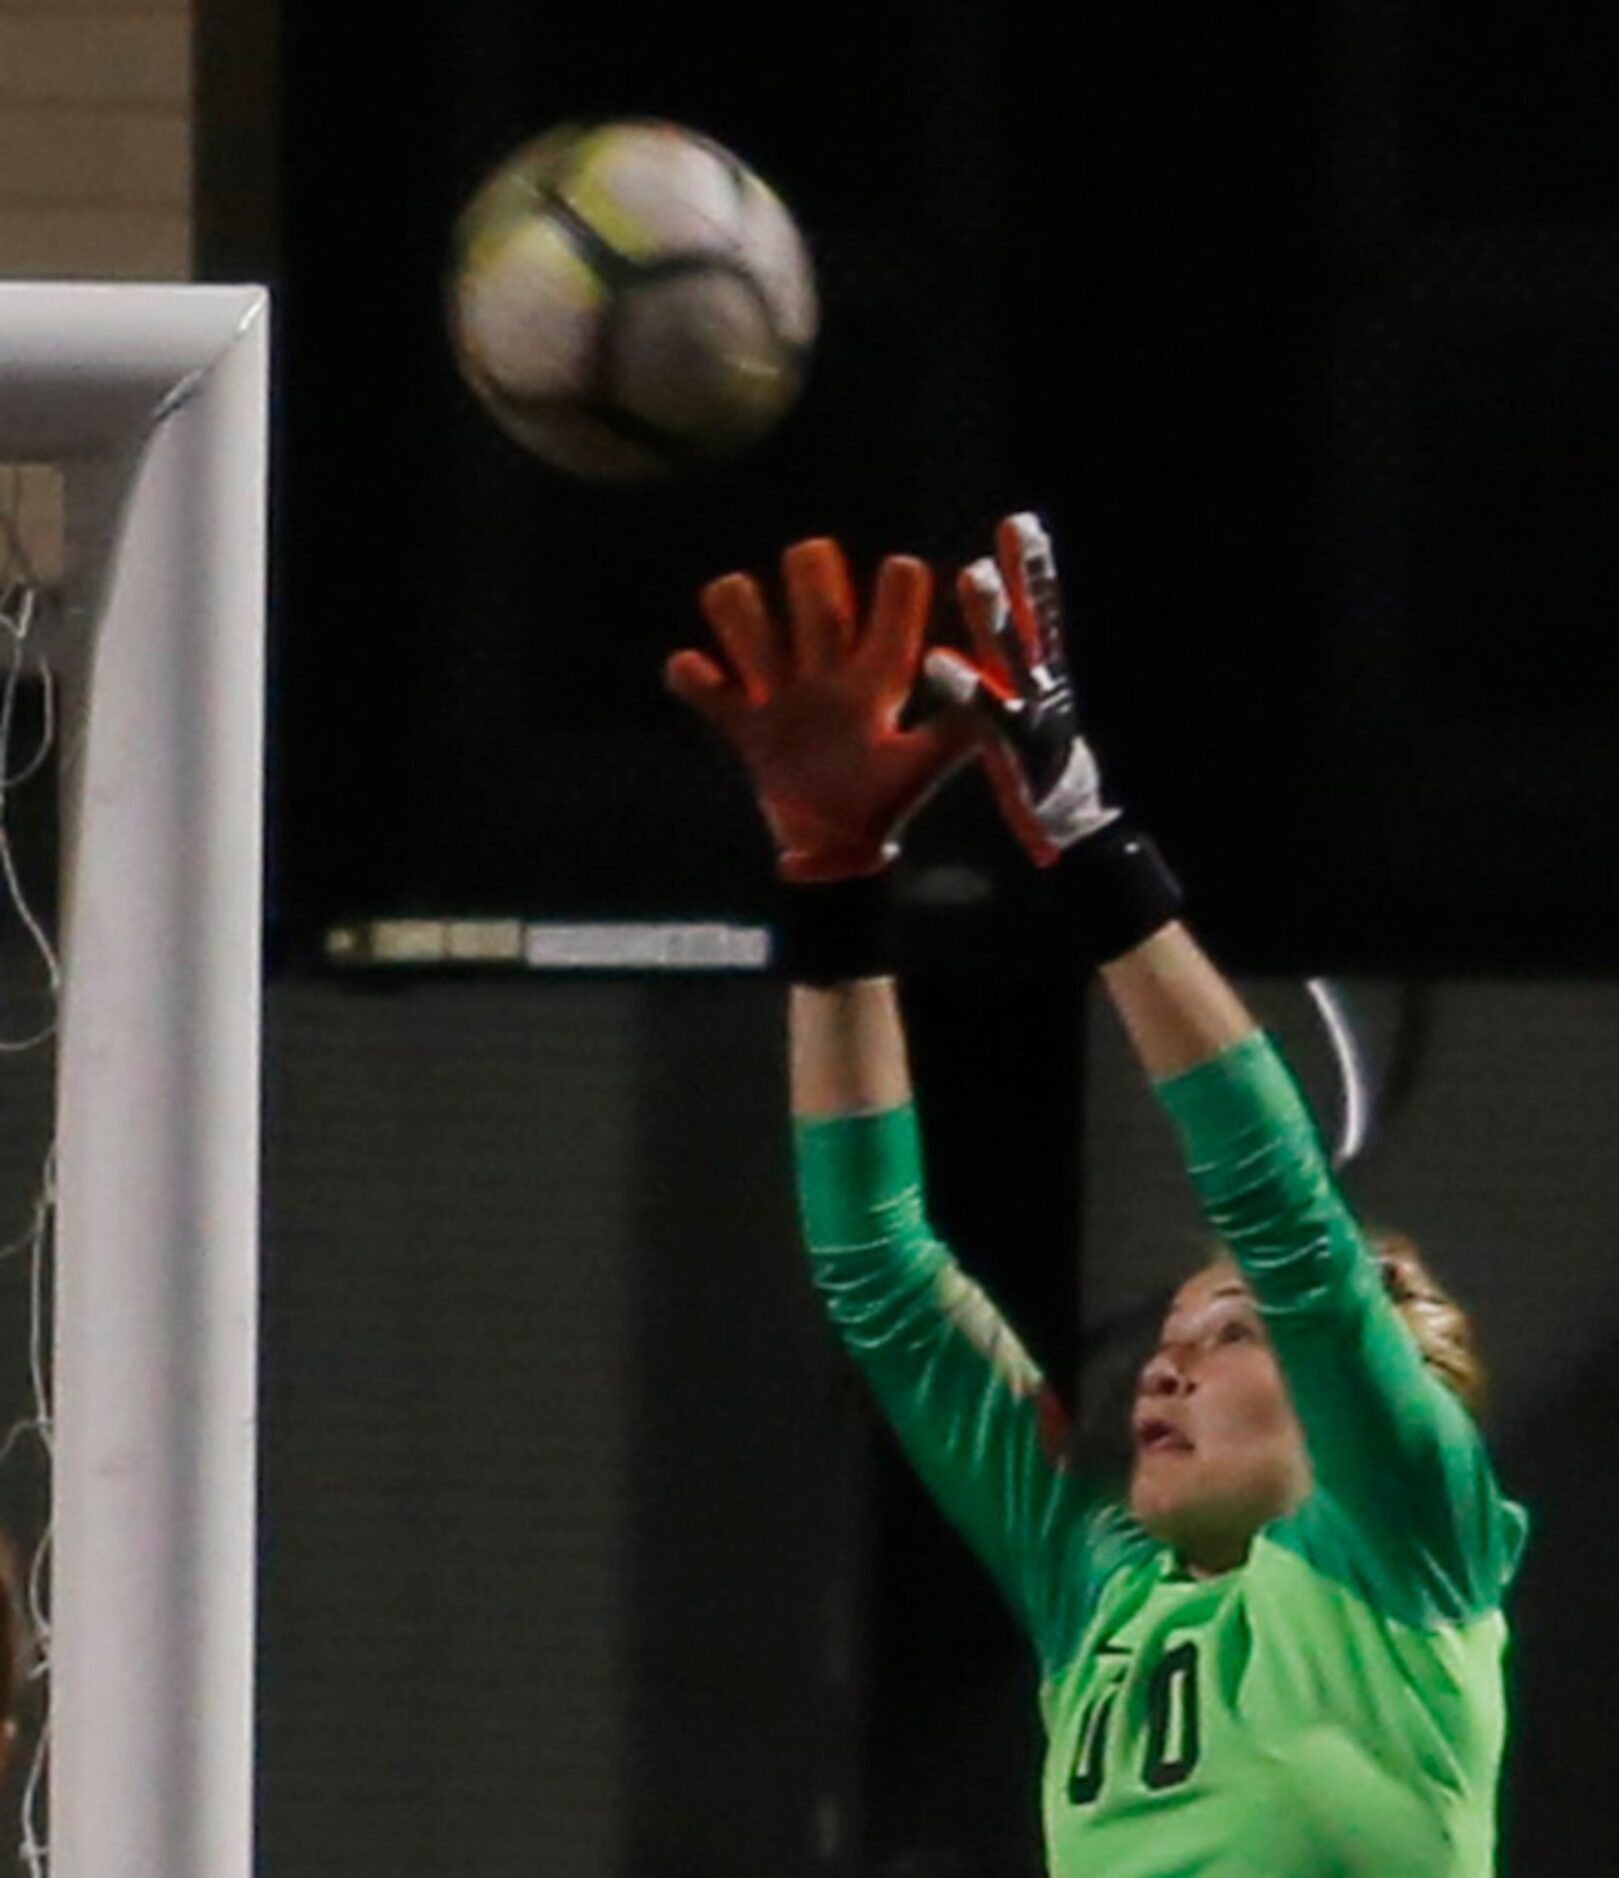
1218	1450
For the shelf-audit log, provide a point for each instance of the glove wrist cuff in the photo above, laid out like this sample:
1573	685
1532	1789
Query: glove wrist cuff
1119	888
829	932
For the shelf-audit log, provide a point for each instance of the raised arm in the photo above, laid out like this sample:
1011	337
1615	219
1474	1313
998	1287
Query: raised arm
1399	1466
1391	1449
813	709
977	1420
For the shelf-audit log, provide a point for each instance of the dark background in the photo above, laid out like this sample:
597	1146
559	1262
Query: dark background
1298	324
1089	283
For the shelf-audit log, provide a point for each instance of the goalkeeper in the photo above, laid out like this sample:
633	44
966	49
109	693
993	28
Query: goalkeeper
1279	1649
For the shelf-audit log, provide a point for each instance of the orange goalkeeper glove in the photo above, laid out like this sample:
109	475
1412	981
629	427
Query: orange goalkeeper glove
813	707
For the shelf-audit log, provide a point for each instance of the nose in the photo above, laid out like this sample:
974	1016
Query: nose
1166	1373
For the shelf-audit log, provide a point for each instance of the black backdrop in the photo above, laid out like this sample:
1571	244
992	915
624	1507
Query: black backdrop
1085	278
1298	322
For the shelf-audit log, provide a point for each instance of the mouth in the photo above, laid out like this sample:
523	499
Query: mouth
1153	1435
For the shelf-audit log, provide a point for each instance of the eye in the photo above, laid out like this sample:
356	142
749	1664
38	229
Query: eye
1235	1330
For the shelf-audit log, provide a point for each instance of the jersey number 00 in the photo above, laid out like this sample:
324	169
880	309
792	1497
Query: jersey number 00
1172	1728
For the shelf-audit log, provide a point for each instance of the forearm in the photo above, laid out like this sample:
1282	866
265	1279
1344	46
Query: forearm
846	1049
1178	1008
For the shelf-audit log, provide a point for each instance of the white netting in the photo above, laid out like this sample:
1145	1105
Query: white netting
29	549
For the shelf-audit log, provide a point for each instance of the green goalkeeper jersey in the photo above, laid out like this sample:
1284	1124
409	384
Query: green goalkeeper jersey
1334	1705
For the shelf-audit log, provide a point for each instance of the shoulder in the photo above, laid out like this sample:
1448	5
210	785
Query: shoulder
1423	1573
1116	1560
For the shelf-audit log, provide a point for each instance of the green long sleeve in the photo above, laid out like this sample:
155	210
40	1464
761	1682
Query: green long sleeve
1400	1468
977	1419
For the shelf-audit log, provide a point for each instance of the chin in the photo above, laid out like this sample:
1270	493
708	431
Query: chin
1192	1526
1155	1508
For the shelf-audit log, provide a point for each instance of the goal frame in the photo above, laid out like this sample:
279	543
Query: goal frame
153	399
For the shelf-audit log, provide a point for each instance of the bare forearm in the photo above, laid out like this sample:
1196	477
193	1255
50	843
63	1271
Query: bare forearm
1175	1003
847	1049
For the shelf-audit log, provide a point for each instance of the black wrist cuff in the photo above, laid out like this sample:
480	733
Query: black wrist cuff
1119	889
828	932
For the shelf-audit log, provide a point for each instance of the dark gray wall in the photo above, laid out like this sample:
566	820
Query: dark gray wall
561	1483
568	1494
446	1444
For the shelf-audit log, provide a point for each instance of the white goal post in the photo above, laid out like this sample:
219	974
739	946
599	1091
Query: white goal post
153	401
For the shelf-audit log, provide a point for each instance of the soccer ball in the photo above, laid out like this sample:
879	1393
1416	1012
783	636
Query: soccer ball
628	299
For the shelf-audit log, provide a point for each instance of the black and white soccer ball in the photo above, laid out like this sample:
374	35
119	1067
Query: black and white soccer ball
628	299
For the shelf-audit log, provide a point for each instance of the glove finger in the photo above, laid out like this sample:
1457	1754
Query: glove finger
899	618
696	680
958	682
971	688
983	598
820	603
1030	569
735	608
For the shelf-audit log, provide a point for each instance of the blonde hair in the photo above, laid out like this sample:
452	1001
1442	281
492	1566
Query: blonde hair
1442	1329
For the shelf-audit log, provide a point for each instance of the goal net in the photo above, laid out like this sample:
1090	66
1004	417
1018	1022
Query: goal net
132	545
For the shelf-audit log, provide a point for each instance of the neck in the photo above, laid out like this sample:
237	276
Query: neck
1213	1561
